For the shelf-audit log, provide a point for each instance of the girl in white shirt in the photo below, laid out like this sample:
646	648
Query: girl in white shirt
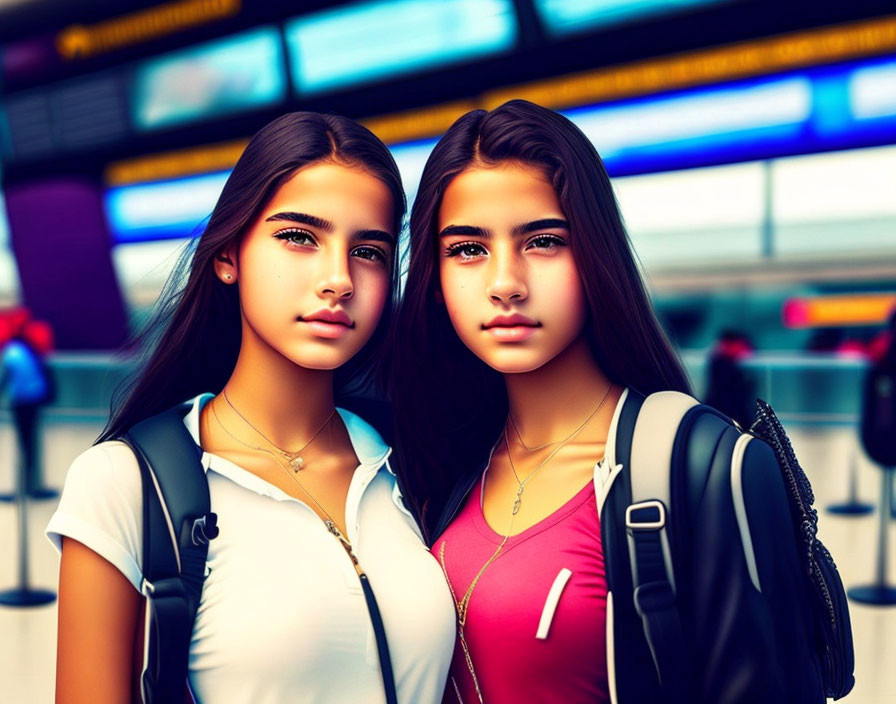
291	281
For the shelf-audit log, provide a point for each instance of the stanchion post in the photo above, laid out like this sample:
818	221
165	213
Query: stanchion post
24	595
887	492
852	506
880	593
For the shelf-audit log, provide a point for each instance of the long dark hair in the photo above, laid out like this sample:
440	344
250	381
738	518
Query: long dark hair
449	406
194	337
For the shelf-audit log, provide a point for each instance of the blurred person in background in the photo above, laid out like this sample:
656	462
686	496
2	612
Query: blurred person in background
879	398
29	385
729	388
883	344
286	302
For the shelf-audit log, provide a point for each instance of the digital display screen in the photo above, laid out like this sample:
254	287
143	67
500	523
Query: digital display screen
370	41
799	112
872	91
163	210
563	17
241	72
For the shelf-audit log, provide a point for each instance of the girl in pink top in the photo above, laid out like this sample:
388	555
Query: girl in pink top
550	646
524	318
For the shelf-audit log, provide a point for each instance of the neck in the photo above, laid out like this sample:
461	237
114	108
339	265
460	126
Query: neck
548	402
286	402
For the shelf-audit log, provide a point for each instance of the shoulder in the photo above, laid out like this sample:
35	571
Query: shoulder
111	461
104	478
102	506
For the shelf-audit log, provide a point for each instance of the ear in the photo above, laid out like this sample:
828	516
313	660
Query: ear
225	266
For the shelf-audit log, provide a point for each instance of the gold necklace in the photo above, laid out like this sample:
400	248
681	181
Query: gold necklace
294	459
462	605
328	522
519	436
522	484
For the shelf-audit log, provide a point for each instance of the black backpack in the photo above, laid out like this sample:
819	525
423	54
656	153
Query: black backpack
177	526
719	589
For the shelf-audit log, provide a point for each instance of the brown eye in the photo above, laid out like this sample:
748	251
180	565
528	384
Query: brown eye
374	254
465	250
547	242
295	236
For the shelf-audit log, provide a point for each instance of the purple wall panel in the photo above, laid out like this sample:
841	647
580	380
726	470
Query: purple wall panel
60	241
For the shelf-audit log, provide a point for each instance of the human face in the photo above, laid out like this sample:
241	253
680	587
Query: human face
314	267
508	278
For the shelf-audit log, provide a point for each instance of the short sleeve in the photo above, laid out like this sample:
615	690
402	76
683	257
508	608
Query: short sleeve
101	507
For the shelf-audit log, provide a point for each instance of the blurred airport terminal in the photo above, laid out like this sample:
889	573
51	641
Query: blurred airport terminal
751	143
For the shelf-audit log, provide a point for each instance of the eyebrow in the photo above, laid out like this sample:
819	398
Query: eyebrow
545	224
525	229
327	226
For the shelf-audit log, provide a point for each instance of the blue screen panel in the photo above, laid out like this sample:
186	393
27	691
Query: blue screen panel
371	41
180	208
821	109
238	73
163	210
563	17
800	112
872	91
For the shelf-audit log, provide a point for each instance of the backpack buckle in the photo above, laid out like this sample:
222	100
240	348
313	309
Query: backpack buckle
205	528
646	515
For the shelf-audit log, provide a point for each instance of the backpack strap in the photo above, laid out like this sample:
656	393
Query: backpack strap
644	444
177	525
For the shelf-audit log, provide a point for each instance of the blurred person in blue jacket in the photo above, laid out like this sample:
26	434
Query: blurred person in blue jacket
28	385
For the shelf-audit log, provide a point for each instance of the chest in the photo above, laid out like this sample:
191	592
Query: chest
519	490
282	605
324	489
536	615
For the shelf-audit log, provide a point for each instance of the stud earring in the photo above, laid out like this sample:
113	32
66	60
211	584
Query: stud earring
228	276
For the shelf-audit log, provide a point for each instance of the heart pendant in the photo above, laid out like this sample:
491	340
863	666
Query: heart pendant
296	463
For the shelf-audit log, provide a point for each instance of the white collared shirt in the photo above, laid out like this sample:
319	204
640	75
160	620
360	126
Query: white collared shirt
282	616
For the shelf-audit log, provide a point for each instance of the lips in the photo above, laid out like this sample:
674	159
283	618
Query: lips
332	317
511	321
328	324
511	328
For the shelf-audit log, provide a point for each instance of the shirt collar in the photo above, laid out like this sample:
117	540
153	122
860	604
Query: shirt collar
368	445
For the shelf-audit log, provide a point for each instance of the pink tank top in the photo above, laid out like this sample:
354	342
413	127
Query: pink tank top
536	622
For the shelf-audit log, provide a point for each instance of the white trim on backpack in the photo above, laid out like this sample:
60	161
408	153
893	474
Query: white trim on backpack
606	471
651	466
611	652
147	624
740	507
655	431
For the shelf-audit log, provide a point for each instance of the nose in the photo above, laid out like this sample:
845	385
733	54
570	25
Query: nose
507	282
335	280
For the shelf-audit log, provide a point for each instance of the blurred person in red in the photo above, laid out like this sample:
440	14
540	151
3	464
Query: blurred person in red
884	344
28	385
728	387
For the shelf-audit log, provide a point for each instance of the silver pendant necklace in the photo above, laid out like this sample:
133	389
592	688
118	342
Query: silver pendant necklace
293	458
